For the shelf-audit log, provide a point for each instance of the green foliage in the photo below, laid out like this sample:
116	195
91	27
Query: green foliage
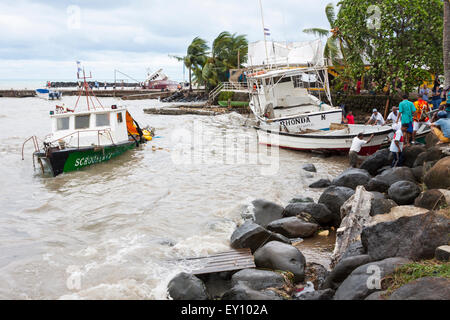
225	95
364	104
414	271
403	44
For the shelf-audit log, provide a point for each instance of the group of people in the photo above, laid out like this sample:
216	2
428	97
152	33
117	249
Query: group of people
406	119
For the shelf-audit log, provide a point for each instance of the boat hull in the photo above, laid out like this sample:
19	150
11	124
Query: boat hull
306	142
67	160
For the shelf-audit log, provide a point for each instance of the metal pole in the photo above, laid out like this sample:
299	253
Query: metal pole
265	39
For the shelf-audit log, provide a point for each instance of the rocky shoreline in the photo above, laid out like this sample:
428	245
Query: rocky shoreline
384	218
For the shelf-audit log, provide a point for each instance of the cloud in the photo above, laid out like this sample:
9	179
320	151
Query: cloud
134	35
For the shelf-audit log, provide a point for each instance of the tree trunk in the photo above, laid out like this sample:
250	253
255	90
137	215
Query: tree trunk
190	80
446	44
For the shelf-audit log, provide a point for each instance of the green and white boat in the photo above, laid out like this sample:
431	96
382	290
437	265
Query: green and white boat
83	138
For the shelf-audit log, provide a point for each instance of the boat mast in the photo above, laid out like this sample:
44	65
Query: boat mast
264	30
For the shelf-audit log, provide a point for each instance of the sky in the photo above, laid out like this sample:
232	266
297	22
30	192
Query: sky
44	39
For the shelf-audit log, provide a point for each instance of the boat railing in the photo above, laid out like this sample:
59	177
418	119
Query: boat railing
228	86
99	134
35	144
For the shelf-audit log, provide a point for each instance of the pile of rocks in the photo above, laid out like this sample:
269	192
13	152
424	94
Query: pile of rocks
384	219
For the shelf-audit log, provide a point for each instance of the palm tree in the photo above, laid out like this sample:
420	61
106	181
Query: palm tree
195	58
446	43
331	50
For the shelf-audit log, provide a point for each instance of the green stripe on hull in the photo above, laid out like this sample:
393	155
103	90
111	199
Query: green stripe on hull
84	158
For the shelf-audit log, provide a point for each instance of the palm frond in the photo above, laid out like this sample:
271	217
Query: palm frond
317	32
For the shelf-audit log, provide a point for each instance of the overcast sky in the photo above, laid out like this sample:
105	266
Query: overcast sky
44	39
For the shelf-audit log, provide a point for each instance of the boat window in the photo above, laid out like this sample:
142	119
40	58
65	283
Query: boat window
62	123
102	120
82	122
119	117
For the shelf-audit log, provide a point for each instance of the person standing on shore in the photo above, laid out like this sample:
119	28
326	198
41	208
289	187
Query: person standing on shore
421	115
350	118
407	109
424	92
357	144
397	145
436	99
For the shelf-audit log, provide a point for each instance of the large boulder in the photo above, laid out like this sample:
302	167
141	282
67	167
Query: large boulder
352	178
343	269
318	211
241	292
416	236
366	279
280	256
316	274
354	249
258	279
383	181
293	227
381	206
333	198
410	154
430	199
438	177
265	212
428	288
251	235
432	154
442	253
322	183
418	173
186	286
376	161
404	192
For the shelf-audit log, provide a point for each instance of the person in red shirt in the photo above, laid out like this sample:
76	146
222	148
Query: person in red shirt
358	87
350	118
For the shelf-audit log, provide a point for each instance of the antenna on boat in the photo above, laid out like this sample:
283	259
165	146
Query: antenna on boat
87	90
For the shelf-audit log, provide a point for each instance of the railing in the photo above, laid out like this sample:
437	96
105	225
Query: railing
99	133
227	86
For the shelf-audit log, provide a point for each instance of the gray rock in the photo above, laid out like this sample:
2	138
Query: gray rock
251	235
404	192
186	286
430	199
354	249
293	227
241	292
322	183
265	212
381	206
326	294
442	253
280	256
432	154
318	211
301	199
438	177
333	198
364	280
378	185
415	237
410	154
316	273
428	288
378	195
309	167
418	173
258	279
377	295
352	178
376	161
343	269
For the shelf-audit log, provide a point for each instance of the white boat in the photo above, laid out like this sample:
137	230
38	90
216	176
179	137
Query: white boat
337	139
282	99
48	94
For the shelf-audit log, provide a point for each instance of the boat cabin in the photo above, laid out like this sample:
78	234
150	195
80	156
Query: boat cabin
97	127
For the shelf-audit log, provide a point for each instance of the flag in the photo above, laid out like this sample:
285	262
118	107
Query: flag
79	67
266	31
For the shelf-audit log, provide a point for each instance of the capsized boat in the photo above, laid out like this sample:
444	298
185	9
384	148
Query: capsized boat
48	94
338	138
81	138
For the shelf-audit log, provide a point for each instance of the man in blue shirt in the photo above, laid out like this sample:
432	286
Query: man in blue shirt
441	128
407	110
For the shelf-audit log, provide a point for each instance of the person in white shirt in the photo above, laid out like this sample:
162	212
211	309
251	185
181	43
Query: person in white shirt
357	144
397	145
376	118
393	118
